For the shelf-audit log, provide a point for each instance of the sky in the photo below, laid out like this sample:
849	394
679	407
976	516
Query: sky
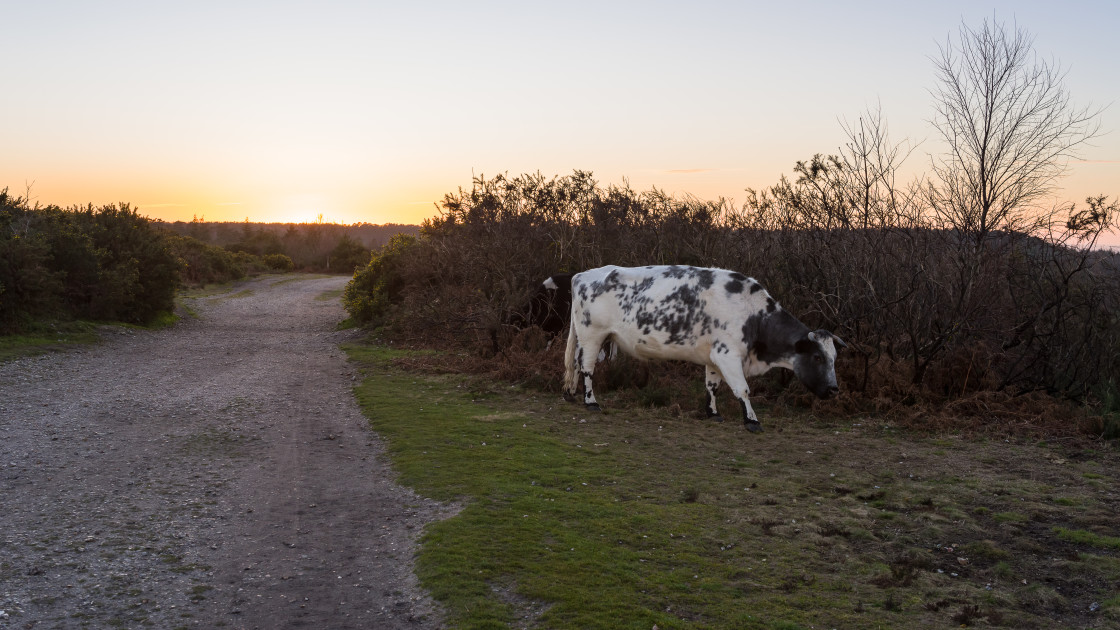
372	111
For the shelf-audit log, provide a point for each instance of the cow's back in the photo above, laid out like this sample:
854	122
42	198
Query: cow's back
663	312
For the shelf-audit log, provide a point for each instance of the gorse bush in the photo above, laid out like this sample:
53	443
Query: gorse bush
278	262
29	289
105	263
374	287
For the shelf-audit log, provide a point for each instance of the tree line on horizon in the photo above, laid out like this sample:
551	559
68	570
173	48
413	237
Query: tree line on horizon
316	246
959	282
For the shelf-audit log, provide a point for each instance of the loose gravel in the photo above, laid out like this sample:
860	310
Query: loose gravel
216	474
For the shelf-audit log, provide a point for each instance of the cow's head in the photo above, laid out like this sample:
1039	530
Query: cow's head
815	362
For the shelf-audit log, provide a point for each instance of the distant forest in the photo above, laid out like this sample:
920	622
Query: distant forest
330	247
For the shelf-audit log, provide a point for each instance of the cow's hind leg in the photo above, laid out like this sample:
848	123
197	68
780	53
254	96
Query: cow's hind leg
586	357
712	379
732	371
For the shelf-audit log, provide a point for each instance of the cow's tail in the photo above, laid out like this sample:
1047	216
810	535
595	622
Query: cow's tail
571	370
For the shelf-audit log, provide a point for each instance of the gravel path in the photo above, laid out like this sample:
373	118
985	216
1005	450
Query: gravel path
215	474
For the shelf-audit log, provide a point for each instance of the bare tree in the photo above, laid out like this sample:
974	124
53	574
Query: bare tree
1009	126
1010	129
871	164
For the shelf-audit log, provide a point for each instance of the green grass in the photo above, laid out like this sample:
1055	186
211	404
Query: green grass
165	319
59	336
637	517
1010	517
220	292
327	296
48	337
290	277
186	307
233	296
1082	537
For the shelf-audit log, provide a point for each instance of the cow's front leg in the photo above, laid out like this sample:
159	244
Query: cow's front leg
750	419
712	379
732	370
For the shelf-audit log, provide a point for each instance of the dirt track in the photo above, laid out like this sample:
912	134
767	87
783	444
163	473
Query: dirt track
215	474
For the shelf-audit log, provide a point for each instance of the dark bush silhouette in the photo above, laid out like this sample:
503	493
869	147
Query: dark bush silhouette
203	264
377	285
278	262
105	263
29	289
348	255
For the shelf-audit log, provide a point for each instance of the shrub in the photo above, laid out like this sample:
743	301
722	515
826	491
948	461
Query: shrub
374	287
139	274
203	264
107	263
278	262
251	263
29	289
348	255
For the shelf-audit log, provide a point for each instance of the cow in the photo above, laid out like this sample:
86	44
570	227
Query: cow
720	319
548	308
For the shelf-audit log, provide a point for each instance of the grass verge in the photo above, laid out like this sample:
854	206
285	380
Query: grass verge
328	296
47	337
642	517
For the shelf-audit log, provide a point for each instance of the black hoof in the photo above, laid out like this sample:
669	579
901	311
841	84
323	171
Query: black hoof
570	397
715	418
594	407
753	427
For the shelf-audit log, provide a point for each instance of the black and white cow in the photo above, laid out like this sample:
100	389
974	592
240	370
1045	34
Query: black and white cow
720	319
548	307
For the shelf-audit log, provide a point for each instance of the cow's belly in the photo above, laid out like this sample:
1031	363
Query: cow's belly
654	347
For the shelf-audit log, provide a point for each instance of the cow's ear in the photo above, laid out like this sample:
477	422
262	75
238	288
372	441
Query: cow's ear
805	345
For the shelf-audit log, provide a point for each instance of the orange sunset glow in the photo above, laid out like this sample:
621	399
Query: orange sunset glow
371	112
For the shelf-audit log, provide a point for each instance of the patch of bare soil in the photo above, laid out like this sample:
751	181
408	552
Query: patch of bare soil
215	474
